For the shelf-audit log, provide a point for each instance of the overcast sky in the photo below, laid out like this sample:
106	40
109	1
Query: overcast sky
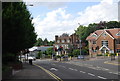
55	18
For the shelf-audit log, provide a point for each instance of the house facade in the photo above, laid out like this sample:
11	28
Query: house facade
104	41
66	42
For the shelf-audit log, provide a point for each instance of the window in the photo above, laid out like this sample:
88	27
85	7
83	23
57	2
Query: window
94	35
105	42
118	34
104	34
117	41
68	41
94	50
58	41
63	41
94	42
118	51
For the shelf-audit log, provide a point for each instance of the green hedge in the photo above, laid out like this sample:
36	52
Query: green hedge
99	55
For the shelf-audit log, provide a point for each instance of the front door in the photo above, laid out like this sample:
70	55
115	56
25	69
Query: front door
104	51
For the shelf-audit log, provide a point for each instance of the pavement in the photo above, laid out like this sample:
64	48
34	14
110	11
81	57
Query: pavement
29	72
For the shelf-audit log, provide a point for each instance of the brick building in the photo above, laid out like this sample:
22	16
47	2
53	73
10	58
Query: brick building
104	41
66	42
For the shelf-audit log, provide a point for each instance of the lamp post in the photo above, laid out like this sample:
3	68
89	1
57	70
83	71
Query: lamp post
80	41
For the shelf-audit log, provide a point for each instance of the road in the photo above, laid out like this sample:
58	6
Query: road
98	64
77	71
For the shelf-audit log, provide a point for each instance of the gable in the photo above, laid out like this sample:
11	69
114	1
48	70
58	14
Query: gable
104	34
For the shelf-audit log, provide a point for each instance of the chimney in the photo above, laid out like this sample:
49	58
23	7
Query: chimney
56	38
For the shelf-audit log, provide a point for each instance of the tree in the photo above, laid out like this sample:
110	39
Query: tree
76	52
51	43
39	54
45	42
18	31
39	42
50	51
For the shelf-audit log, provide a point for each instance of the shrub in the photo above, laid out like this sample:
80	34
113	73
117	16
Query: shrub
99	55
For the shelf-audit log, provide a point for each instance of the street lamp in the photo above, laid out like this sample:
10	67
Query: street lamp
80	41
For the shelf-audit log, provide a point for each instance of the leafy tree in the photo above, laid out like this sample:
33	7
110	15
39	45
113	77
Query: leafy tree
45	42
84	31
76	52
18	31
39	42
39	54
51	43
49	51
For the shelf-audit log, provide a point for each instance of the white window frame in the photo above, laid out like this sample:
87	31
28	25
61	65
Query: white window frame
68	41
63	41
58	41
118	34
104	42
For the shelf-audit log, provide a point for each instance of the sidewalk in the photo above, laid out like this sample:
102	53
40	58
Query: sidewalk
29	72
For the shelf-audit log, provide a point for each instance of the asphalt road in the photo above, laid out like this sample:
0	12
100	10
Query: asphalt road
97	64
71	71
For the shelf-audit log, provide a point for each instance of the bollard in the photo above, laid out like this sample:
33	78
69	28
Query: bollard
117	54
108	55
30	61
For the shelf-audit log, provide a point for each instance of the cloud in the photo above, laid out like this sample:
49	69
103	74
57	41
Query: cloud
55	22
58	21
105	11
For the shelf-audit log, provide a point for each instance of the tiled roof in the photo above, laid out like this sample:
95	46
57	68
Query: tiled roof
111	32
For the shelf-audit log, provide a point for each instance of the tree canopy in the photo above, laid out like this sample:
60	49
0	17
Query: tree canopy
44	42
84	31
18	30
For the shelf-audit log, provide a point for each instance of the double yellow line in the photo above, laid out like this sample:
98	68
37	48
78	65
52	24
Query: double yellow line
50	73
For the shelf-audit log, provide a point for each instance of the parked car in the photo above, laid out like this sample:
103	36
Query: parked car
30	57
80	57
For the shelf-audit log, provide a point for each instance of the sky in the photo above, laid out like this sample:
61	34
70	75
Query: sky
56	18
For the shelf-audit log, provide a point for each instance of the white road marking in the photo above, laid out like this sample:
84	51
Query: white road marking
63	66
110	72
54	69
98	67
115	73
91	74
104	69
75	70
82	72
101	77
70	68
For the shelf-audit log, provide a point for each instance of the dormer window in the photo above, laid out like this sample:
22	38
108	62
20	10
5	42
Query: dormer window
93	35
118	34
